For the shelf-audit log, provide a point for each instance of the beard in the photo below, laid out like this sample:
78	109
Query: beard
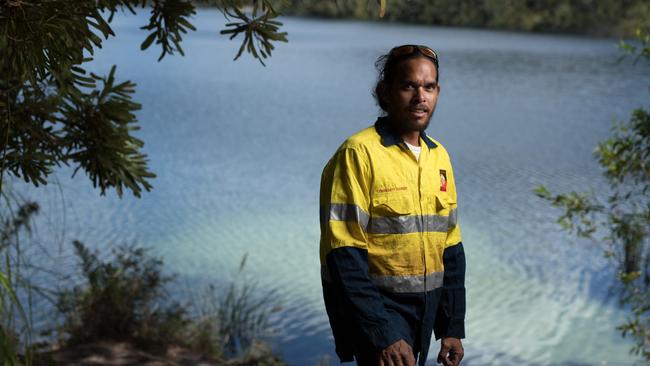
405	124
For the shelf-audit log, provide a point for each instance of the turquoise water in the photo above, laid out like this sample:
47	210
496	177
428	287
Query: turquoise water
238	150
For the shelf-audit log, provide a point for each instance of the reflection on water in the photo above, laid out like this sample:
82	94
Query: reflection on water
238	150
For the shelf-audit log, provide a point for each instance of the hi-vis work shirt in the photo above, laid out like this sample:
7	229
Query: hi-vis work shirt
392	261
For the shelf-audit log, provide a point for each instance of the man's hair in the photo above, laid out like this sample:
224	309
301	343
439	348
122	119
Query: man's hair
387	66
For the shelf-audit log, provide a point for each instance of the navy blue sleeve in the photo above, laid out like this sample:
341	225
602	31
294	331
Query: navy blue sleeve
450	318
360	298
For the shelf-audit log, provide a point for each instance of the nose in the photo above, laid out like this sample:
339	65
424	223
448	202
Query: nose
419	95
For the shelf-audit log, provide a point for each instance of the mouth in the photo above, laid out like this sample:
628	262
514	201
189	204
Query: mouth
418	112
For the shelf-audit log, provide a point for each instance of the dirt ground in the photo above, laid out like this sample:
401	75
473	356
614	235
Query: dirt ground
125	354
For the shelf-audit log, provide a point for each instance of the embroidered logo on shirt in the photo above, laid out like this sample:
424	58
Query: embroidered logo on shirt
443	180
390	189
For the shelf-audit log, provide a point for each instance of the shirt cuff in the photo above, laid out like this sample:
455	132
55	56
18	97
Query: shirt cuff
456	329
383	336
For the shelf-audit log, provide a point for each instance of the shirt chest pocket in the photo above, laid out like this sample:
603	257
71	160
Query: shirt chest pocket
442	203
392	204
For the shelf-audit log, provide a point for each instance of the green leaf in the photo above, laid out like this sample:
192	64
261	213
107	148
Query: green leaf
147	42
187	24
542	192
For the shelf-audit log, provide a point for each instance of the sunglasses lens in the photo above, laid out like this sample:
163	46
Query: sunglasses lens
402	50
409	49
428	52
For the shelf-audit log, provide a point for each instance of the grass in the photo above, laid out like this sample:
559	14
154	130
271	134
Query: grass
15	322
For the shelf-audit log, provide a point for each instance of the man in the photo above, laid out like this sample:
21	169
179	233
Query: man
392	261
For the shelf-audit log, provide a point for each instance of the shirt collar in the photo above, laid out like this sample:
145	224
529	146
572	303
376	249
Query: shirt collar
389	137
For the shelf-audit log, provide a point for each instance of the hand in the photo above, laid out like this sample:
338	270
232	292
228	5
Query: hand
451	351
399	353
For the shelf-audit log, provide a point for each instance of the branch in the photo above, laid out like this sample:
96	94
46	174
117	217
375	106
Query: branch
259	31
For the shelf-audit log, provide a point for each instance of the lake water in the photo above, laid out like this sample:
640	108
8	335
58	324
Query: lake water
238	149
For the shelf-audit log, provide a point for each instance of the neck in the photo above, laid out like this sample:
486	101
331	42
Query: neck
412	137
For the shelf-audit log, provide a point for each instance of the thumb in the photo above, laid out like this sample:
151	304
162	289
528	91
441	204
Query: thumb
442	355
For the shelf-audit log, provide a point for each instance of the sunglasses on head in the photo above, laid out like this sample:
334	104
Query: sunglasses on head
409	49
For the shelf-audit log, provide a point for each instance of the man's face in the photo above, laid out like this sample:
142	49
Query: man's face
411	97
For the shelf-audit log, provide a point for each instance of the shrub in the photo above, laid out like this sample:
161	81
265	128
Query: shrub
122	298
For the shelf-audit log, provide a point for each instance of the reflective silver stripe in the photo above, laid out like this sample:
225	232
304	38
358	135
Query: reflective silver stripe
348	212
398	284
408	224
401	284
453	218
388	224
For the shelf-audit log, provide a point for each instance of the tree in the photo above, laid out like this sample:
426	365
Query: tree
621	222
55	112
603	17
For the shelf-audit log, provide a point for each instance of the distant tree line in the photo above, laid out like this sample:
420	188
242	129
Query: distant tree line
602	17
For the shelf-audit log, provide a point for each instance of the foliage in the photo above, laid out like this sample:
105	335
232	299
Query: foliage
641	50
122	298
167	22
15	322
8	343
581	16
52	109
258	31
258	354
622	221
240	315
243	314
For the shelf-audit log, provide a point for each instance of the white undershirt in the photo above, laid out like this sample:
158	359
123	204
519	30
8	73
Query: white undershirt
415	149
